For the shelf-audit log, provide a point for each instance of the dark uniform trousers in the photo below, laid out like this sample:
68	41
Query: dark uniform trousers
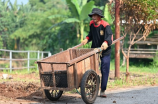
105	68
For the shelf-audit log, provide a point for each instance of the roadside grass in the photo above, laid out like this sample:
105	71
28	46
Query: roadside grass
20	75
23	71
139	75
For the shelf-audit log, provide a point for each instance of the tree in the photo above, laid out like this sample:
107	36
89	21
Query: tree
12	18
35	33
137	16
79	11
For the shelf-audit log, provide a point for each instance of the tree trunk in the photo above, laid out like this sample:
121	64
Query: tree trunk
15	45
77	30
127	63
124	61
127	68
81	30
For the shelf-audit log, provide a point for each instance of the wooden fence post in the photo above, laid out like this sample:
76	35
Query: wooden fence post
28	61
38	57
42	55
10	61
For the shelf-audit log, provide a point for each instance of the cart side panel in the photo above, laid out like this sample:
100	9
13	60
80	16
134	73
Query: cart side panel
95	60
60	57
87	64
80	71
70	76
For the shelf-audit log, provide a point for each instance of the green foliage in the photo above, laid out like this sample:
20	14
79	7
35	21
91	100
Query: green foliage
35	33
86	9
12	19
21	72
79	10
73	10
1	43
65	38
155	61
100	2
137	66
107	15
152	33
27	27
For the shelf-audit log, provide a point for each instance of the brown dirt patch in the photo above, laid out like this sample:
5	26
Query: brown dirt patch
20	86
18	90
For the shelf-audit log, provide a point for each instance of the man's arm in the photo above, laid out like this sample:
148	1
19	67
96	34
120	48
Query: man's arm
108	38
88	38
108	35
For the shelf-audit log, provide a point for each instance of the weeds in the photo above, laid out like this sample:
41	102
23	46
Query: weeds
24	71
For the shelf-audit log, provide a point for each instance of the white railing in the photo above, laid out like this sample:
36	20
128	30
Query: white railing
9	58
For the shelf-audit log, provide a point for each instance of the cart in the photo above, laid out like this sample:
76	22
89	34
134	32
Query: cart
69	69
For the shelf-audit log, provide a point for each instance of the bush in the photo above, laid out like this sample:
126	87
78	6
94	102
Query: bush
155	60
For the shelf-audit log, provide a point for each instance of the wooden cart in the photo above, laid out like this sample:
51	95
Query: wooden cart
72	68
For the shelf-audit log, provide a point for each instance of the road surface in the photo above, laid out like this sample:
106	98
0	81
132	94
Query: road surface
136	95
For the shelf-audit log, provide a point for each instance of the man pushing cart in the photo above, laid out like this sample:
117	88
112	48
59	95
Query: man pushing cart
78	67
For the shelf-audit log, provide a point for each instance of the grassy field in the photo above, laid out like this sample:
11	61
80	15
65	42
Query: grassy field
139	75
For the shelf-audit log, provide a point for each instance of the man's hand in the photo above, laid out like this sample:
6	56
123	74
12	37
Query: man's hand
104	46
84	41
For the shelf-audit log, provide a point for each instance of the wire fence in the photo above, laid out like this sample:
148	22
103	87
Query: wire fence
13	59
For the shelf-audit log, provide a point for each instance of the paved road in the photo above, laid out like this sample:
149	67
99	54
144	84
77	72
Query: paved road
141	95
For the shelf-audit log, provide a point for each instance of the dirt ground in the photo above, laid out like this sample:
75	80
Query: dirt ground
26	87
23	86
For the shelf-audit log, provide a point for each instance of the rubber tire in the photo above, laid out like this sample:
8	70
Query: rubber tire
48	95
83	83
99	79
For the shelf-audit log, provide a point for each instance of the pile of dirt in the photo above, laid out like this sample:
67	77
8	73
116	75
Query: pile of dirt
20	90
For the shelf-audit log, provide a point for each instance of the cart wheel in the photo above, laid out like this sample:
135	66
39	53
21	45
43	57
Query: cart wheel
99	79
89	86
53	95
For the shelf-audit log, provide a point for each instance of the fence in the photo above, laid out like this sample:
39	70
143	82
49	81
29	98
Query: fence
26	58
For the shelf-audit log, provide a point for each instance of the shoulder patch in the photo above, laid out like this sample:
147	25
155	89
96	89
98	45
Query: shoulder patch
91	22
104	23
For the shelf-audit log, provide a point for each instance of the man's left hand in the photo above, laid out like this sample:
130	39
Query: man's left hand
104	46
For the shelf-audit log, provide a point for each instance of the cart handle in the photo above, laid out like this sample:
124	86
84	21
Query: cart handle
99	49
79	45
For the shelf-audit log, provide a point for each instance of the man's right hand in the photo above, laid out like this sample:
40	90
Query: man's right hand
85	41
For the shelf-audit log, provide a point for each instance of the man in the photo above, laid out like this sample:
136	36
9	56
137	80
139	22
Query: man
101	36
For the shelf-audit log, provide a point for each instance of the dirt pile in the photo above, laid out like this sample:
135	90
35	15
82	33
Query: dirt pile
18	90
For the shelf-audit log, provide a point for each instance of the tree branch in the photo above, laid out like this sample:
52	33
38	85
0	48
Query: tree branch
124	34
135	36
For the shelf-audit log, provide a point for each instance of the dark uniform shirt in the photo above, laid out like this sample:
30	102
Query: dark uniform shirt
99	34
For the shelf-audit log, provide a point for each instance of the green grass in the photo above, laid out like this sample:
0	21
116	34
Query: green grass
145	75
136	69
23	71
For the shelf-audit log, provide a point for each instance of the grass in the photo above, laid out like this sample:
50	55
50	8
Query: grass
139	75
21	75
24	71
136	69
